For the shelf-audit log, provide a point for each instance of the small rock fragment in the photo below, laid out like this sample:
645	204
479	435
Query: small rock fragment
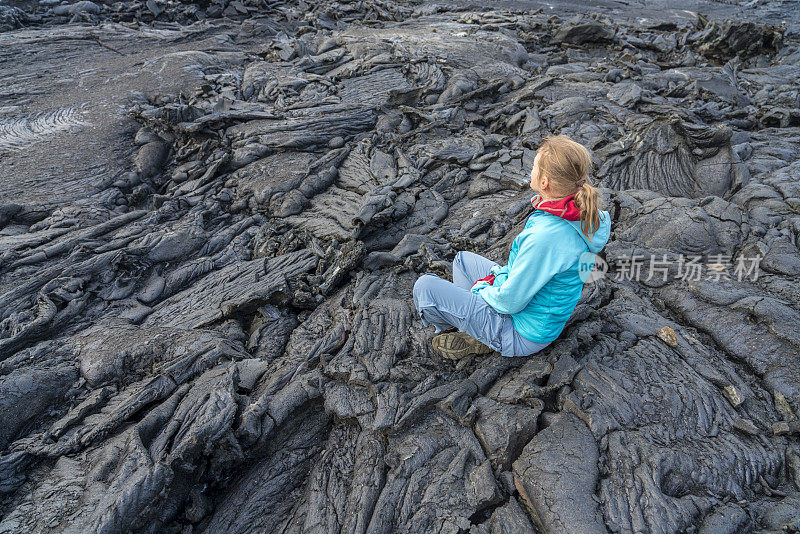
746	426
781	428
782	406
84	6
733	396
667	335
581	32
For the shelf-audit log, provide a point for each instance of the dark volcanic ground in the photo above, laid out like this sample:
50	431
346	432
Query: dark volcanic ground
212	216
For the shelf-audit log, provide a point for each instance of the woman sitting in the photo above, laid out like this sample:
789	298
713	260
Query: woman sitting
520	308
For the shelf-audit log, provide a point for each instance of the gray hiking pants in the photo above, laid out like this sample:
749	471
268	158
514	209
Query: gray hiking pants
443	304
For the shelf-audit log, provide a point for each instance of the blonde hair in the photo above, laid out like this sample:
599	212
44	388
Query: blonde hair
568	163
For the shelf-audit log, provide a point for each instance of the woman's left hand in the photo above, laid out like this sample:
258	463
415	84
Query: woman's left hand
483	282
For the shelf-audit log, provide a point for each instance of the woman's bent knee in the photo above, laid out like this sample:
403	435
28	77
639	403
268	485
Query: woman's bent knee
423	283
458	260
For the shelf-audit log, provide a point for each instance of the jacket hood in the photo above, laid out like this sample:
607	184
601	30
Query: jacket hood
601	235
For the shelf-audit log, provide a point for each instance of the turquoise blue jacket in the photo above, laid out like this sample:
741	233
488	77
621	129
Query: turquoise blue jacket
547	266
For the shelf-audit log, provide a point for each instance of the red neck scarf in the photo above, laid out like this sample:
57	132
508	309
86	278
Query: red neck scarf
563	207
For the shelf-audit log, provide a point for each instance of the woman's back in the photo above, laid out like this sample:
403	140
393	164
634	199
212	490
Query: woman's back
556	274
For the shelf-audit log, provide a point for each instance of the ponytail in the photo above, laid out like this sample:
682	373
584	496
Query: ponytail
588	201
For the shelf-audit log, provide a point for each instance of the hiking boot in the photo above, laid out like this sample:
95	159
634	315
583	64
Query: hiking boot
457	345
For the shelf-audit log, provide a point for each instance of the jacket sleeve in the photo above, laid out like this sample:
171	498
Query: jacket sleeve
536	263
497	269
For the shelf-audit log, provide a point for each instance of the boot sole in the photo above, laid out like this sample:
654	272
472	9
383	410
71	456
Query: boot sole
443	345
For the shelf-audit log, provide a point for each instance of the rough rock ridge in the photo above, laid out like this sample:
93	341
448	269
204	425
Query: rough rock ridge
212	215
